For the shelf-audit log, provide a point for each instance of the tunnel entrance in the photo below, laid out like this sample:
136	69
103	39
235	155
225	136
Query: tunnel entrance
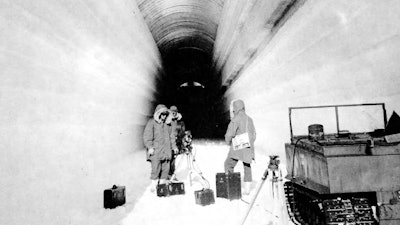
190	82
185	33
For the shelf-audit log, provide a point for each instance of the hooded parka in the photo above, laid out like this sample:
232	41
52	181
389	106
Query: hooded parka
159	136
241	123
178	126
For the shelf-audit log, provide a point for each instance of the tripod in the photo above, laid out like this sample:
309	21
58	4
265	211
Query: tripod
193	168
276	178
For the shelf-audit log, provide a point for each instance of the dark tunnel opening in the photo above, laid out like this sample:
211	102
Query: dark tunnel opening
190	82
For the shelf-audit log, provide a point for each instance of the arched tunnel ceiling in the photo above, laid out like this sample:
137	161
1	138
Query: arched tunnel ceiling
185	32
178	24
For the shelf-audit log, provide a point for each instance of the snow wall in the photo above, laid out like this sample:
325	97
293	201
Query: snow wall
76	89
327	52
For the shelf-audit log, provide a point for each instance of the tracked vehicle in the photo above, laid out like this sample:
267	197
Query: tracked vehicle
346	175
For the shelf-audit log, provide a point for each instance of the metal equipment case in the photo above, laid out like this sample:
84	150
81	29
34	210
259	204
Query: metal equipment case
204	197
228	185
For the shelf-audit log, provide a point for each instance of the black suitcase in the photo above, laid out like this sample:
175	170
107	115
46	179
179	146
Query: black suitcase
204	197
228	185
176	188
162	190
114	197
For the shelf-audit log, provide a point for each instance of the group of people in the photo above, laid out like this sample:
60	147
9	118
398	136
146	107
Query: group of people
161	137
164	131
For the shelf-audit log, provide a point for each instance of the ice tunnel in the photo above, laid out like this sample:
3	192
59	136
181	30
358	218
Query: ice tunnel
79	79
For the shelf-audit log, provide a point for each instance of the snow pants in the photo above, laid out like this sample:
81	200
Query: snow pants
230	164
159	169
172	165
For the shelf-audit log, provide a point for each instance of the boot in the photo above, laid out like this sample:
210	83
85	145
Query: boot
153	185
247	188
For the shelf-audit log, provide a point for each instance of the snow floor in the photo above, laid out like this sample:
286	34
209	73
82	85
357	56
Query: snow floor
149	209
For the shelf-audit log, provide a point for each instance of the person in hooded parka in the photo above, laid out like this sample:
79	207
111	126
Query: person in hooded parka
239	124
159	139
178	127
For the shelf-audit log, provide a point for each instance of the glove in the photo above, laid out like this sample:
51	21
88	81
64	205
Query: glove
151	151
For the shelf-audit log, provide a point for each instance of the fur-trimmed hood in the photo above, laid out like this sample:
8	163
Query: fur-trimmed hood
157	112
171	117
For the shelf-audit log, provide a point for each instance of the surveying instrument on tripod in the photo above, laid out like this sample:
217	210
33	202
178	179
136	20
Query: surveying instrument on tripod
273	171
187	152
